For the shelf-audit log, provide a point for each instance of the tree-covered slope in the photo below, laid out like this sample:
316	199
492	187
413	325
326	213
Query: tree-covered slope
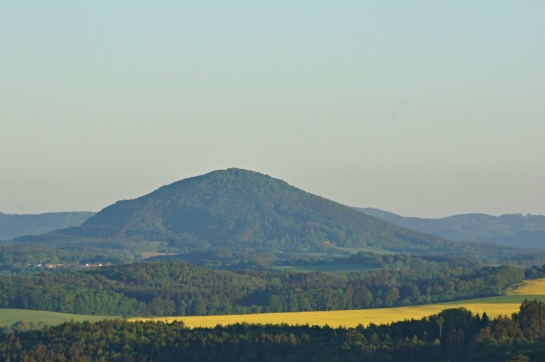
15	225
512	229
240	208
178	288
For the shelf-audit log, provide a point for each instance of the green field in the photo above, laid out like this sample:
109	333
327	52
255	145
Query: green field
10	316
367	249
326	268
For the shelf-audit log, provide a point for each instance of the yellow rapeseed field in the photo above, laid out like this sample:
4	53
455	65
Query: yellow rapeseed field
530	287
493	306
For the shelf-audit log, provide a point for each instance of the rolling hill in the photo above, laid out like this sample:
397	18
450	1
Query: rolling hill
515	230
241	210
238	207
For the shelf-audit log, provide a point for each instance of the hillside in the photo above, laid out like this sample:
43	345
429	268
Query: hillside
512	229
15	225
242	210
237	209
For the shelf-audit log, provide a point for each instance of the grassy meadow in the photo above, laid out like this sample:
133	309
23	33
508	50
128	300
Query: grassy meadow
493	306
326	268
10	316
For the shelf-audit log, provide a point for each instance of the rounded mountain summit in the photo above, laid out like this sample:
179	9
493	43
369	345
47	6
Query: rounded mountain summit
241	209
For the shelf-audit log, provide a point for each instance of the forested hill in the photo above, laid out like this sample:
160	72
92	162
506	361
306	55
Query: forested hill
15	225
238	208
512	229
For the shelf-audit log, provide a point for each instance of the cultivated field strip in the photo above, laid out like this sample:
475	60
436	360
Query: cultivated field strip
9	316
493	306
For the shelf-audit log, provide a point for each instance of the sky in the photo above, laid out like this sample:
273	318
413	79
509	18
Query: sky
424	108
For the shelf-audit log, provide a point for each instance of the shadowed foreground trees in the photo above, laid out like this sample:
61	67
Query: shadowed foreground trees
461	336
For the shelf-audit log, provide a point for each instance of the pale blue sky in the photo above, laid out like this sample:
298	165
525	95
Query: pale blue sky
427	109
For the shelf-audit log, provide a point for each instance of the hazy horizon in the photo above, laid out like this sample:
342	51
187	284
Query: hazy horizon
426	109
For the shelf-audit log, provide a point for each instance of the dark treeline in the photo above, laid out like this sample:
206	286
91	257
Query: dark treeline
535	272
451	335
179	288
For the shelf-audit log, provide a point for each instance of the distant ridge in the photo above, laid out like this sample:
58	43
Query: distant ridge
15	225
515	230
